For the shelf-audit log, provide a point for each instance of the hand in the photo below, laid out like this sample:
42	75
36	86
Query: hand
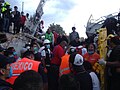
45	70
102	62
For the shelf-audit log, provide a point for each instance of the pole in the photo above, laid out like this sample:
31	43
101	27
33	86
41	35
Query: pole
22	6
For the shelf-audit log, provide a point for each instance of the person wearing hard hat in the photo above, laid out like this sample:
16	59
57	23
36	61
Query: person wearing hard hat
46	53
46	58
6	11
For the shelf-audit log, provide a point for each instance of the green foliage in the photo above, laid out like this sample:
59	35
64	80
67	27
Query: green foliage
57	28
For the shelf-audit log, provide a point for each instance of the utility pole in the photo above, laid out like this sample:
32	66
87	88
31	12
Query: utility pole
22	6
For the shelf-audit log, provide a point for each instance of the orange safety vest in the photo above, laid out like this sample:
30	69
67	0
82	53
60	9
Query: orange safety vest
64	67
21	66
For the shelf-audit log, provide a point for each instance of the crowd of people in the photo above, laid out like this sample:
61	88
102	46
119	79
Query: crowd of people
60	64
57	63
9	16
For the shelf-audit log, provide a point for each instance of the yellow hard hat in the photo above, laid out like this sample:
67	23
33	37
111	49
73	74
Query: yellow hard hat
6	4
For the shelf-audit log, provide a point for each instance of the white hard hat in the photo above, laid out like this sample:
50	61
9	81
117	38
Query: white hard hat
46	41
80	46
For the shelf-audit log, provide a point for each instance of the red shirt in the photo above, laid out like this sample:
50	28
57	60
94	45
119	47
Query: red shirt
92	58
58	52
23	19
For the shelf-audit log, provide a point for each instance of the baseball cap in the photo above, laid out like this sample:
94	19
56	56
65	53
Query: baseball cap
76	59
80	47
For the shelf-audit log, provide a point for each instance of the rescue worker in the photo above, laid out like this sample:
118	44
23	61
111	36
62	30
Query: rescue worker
64	67
5	72
46	54
91	55
50	36
46	58
6	11
81	50
27	63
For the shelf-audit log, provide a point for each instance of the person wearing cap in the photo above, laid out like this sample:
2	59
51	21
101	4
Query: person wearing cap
73	34
5	72
81	50
78	70
57	53
16	20
113	64
64	67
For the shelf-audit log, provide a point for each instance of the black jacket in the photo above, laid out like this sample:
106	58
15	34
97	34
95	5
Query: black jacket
5	85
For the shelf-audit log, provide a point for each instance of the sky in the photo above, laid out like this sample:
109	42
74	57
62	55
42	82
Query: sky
70	13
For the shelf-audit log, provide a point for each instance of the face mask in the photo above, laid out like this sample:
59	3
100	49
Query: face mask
11	56
48	46
14	53
91	52
10	73
35	49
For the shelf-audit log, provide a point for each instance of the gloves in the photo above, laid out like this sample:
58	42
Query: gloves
102	62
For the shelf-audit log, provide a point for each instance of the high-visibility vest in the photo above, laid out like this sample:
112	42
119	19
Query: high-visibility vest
49	36
64	67
4	9
21	66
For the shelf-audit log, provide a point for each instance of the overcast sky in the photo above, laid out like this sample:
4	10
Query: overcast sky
70	13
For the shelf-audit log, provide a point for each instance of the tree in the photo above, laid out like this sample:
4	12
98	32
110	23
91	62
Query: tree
57	28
